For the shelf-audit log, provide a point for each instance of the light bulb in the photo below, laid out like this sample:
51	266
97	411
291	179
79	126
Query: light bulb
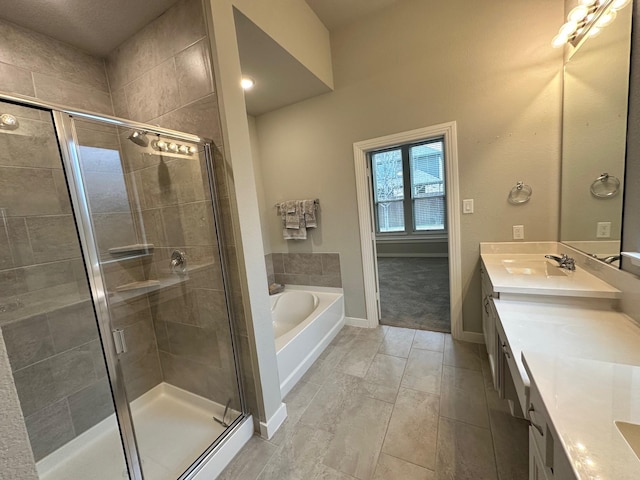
183	149
606	19
568	29
193	150
247	83
619	4
161	144
559	40
594	32
578	13
173	147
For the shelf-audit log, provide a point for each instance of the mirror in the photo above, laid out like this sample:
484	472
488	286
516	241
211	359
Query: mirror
594	126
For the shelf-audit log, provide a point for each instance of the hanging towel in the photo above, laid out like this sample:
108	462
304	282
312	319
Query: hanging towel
296	216
292	214
299	233
309	211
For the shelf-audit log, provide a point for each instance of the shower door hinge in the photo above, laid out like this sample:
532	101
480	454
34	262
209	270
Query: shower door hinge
119	341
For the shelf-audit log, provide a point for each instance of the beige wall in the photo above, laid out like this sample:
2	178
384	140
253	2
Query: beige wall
295	27
491	69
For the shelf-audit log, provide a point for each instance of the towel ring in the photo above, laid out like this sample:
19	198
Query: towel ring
605	186
519	194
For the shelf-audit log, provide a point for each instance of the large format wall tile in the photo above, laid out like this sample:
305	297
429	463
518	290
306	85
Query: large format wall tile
16	80
42	197
23	150
45	382
53	238
49	429
63	92
154	93
194	73
39	53
90	405
28	341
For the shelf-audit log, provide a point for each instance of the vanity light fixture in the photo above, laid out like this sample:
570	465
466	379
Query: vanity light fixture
247	82
172	147
587	19
8	122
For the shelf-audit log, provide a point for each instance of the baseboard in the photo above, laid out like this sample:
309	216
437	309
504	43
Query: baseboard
357	322
267	430
473	337
408	255
218	460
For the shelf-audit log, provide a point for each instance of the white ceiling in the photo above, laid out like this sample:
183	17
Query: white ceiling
95	26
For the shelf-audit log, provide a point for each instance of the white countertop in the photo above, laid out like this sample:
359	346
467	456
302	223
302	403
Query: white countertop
596	334
583	399
578	283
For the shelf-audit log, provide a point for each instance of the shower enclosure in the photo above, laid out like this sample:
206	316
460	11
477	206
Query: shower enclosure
114	305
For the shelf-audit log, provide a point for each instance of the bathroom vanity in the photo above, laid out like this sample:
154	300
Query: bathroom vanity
564	358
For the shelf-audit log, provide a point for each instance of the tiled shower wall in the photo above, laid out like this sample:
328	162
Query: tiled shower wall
315	269
174	50
162	75
46	318
37	66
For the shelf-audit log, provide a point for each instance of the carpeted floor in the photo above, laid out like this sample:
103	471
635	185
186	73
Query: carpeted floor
414	293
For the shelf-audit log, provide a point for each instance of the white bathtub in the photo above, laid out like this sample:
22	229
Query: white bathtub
304	323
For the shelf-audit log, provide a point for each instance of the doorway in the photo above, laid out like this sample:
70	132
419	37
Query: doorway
409	204
448	259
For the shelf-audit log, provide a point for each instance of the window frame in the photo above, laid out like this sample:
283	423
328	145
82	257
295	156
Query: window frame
410	234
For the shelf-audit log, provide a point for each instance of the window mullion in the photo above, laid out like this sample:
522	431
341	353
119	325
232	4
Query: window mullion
408	201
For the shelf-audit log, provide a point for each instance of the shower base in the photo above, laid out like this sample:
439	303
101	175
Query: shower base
172	426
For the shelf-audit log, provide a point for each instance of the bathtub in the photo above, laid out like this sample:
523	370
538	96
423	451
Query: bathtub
304	323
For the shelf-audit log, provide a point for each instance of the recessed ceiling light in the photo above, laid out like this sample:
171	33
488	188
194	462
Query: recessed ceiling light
247	83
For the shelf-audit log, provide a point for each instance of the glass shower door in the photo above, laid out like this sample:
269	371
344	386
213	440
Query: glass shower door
153	225
46	311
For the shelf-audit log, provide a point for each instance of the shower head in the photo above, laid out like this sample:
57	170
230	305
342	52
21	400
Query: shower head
139	138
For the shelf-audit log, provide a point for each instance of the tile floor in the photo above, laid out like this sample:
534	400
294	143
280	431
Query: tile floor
392	404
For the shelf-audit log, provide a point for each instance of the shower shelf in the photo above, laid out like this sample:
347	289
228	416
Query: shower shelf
137	249
145	285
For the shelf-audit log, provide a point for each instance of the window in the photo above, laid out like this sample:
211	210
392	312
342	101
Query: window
409	188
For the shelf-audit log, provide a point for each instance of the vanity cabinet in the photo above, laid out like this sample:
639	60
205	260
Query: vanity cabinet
547	459
489	316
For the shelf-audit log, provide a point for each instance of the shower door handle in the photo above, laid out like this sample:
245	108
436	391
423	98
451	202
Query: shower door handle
119	340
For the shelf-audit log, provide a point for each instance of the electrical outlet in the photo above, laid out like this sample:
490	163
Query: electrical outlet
467	205
518	232
603	230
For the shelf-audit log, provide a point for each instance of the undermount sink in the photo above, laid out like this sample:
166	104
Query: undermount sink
631	433
540	268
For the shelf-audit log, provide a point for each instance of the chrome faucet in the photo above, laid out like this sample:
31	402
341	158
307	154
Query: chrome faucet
564	261
610	259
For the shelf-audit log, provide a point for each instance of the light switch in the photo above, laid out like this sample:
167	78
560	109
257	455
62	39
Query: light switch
467	205
518	232
603	230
